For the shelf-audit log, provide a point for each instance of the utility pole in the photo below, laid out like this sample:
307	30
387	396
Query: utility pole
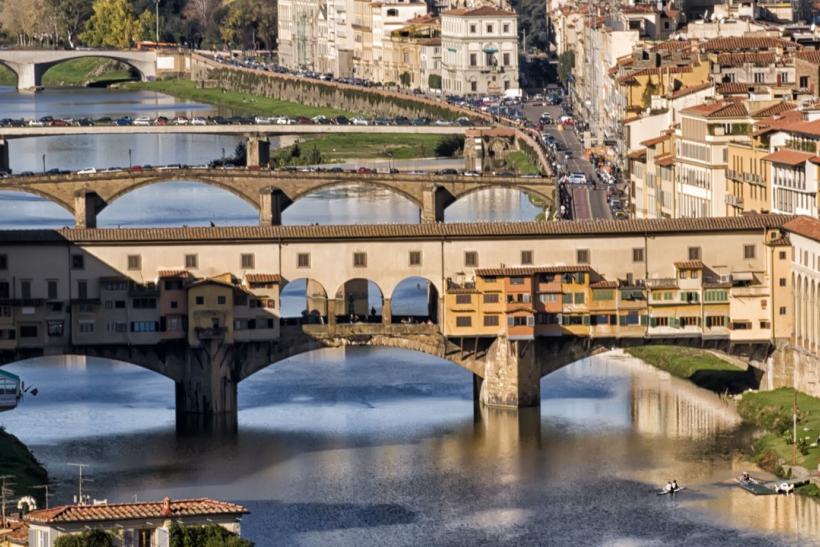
3	493
80	466
46	493
156	15
794	429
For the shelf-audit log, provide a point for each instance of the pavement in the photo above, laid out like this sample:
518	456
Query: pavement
588	202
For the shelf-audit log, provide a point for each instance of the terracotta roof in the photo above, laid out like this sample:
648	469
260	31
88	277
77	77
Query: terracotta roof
16	532
783	241
639	154
125	511
671	45
788	157
745	43
799	127
734	88
654	71
531	270
263	278
604	284
688	90
719	109
173	273
810	55
665	160
689	265
469	230
483	11
741	58
804	226
774	110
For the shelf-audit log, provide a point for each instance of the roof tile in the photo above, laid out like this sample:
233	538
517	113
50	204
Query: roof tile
125	511
804	226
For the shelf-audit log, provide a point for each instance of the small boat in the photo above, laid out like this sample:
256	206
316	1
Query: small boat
665	492
756	487
10	390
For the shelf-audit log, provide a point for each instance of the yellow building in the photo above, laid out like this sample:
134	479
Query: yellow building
211	309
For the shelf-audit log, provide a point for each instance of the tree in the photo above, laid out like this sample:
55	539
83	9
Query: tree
113	24
249	23
206	14
89	538
69	16
212	535
434	81
566	62
405	78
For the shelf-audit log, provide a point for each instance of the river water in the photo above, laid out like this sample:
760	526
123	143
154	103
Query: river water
372	446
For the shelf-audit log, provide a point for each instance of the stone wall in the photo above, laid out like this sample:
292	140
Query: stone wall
369	101
790	366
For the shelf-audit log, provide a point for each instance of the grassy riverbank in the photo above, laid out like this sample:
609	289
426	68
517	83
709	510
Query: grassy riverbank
18	461
76	72
337	148
771	411
521	163
239	102
700	367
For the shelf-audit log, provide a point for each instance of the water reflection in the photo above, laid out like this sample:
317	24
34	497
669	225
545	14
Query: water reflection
335	445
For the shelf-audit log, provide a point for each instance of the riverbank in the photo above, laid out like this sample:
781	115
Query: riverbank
77	72
339	148
244	103
18	461
702	368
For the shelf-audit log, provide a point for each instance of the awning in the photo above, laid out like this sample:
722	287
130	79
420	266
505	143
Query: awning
743	276
490	50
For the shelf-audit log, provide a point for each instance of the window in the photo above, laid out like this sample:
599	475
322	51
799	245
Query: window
765	325
191	261
464	299
804	82
566	298
360	260
144	303
548	298
200	300
82	289
221	300
55	328
28	331
4	262
782	255
86	327
748	252
473	86
248	261
506	59
579	298
782	281
637	255
134	262
473	29
491	298
694	253
491	321
392	12
582	256
173	285
51	289
464	321
174	304
471	259
144	326
782	310
5	289
473	59
516	281
25	289
415	258
77	262
303	260
712	295
489	29
506	28
526	257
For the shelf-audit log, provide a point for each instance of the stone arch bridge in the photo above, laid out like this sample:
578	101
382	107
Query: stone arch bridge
270	192
30	65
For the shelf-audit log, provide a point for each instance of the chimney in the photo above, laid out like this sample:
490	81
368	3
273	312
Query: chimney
166	507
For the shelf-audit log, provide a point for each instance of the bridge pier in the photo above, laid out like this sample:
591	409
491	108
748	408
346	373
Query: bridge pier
257	152
4	156
206	392
272	202
387	312
512	375
433	202
87	205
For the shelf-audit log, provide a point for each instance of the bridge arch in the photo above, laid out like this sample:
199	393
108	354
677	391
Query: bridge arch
303	300
459	199
44	68
394	188
49	198
414	299
247	196
4	65
359	300
149	358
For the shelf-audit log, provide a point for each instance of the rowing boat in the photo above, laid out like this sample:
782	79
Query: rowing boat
664	492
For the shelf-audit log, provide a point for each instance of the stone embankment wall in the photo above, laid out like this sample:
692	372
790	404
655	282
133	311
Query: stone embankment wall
319	93
790	366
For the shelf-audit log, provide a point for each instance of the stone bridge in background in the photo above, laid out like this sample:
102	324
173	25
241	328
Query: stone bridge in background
30	65
270	192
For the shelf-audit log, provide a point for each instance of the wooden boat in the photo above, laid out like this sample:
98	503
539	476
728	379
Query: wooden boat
665	492
10	390
755	486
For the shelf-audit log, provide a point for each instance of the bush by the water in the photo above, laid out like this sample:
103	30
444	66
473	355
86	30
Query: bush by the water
212	535
766	416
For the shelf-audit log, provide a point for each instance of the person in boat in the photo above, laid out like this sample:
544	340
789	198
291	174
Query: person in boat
675	486
669	487
745	477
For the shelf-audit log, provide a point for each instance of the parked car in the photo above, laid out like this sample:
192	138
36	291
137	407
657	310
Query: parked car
87	171
577	178
142	120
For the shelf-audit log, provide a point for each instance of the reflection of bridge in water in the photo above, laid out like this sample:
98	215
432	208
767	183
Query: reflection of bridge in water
270	192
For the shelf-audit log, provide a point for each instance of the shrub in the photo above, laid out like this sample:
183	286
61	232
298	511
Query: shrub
92	538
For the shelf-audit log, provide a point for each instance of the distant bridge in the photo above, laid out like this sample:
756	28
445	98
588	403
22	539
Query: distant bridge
270	192
30	65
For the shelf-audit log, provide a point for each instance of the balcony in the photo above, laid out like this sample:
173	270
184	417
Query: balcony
733	200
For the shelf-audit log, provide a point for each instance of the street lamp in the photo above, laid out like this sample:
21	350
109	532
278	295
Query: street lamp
223	157
130	165
44	164
156	15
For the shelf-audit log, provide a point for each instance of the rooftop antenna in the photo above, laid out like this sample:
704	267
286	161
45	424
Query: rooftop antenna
46	493
4	493
80	466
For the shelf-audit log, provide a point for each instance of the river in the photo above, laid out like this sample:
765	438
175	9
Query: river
370	446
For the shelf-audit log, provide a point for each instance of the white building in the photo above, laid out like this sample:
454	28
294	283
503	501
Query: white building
804	234
298	30
479	51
